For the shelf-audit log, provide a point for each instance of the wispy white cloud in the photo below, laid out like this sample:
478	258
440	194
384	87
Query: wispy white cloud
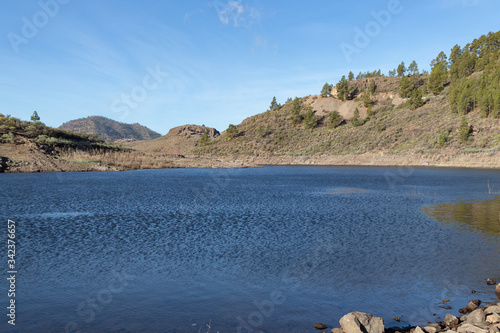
235	13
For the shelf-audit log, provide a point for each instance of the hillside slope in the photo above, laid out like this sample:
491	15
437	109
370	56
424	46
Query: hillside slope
110	130
178	141
391	128
455	108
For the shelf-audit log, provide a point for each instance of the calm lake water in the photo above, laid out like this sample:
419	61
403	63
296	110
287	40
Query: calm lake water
275	249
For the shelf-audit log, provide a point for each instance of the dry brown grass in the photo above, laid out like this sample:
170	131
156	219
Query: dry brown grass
121	159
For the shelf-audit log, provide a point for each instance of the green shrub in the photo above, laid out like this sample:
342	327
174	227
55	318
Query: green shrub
334	120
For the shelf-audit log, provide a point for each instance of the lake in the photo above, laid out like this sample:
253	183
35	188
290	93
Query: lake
272	249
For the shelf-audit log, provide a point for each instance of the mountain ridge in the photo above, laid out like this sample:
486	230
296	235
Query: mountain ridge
109	129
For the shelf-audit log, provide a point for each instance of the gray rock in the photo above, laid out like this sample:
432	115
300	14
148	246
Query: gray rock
476	317
490	282
492	309
473	304
431	329
450	320
359	322
469	328
418	329
338	330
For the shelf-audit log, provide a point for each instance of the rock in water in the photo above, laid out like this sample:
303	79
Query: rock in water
359	322
473	304
497	290
462	310
490	282
320	326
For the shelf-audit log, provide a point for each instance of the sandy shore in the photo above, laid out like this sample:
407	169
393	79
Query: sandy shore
28	159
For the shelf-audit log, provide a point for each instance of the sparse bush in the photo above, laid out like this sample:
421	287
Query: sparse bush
231	132
8	138
443	138
260	131
380	127
204	140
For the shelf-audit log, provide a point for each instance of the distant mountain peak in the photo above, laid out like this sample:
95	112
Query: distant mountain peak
110	130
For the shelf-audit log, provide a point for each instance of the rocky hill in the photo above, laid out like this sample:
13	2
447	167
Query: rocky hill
454	109
179	140
110	130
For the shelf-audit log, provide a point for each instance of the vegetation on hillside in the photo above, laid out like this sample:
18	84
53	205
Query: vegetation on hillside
110	130
453	106
15	130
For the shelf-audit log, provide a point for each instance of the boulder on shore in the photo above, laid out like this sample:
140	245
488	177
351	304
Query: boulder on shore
359	322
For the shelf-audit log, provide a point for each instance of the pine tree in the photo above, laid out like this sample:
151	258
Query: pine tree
334	120
439	74
310	120
343	89
367	101
327	90
401	69
416	100
34	117
372	87
413	68
405	87
464	130
274	104
496	108
350	77
356	119
296	107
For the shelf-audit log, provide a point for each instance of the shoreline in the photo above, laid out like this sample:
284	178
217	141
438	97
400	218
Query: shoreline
32	160
475	317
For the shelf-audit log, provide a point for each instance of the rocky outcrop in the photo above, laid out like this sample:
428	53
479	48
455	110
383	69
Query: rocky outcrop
193	130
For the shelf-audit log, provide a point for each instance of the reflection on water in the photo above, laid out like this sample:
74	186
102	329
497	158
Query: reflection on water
481	215
345	190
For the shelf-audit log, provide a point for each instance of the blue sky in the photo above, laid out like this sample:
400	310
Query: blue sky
213	62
